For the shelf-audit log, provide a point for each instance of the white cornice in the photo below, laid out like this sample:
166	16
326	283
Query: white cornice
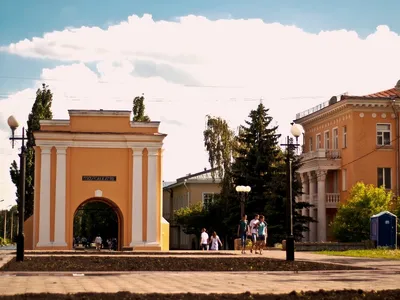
351	104
96	144
54	122
108	137
98	113
152	124
323	114
320	164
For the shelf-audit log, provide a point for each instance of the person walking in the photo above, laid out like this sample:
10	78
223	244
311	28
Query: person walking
215	241
98	241
254	233
242	232
204	240
262	234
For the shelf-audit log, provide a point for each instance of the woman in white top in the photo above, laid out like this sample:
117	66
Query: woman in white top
214	241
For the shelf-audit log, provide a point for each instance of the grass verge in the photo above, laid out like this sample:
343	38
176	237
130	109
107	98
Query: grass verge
370	253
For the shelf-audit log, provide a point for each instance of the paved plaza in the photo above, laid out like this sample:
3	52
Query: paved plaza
386	275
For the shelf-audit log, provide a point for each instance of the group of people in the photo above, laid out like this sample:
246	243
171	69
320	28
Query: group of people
209	243
256	231
110	243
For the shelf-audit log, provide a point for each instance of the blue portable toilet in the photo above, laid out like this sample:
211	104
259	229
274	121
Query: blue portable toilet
384	229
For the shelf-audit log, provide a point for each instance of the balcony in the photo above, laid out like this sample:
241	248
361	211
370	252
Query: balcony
322	153
332	200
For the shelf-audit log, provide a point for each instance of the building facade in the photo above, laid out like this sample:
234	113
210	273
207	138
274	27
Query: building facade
347	140
98	155
184	192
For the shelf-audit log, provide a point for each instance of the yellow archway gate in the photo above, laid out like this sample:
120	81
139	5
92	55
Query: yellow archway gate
98	154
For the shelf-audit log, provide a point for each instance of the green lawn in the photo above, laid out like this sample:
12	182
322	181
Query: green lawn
371	253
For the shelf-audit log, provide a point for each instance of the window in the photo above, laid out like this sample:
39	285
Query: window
335	179
385	177
383	134
326	140
318	145
335	138
344	137
208	198
344	180
310	146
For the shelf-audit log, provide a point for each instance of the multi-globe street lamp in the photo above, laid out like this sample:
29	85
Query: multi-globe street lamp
242	191
296	131
13	123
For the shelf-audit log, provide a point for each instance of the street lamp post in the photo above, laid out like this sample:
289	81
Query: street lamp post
296	132
13	123
242	191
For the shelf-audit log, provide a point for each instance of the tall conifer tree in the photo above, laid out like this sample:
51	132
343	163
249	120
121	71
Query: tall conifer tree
41	110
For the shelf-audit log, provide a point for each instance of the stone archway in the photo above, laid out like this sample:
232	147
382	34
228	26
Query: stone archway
101	216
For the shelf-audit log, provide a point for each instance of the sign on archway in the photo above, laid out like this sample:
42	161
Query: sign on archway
98	153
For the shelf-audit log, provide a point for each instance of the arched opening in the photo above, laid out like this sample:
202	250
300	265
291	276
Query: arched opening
97	216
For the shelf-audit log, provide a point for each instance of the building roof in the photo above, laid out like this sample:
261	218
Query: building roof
200	177
384	213
389	94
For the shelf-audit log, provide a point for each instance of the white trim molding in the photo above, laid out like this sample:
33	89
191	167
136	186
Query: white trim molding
98	113
44	219
54	122
152	194
151	124
99	144
60	208
136	227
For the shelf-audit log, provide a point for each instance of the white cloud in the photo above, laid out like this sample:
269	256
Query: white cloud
248	59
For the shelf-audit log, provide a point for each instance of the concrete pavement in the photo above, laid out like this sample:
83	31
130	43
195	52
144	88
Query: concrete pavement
385	276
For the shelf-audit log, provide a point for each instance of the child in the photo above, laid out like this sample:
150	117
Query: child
214	241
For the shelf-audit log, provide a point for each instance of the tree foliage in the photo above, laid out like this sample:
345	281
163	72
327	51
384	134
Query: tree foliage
41	110
252	157
352	220
263	166
139	110
96	218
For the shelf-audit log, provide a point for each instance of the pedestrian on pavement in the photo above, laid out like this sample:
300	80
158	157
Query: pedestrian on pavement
262	234
204	240
254	232
98	241
215	241
242	232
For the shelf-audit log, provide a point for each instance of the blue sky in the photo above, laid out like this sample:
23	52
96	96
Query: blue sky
20	19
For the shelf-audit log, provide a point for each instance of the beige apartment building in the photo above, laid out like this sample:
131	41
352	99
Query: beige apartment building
347	139
184	192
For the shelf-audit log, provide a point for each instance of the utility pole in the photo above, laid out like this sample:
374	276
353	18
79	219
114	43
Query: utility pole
5	224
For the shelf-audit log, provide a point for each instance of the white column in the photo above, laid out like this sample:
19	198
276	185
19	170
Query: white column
61	181
312	212
137	200
44	219
321	177
152	182
304	182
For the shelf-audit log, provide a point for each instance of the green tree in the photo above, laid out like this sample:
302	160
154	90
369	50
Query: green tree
41	110
192	219
352	220
139	110
96	218
261	164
